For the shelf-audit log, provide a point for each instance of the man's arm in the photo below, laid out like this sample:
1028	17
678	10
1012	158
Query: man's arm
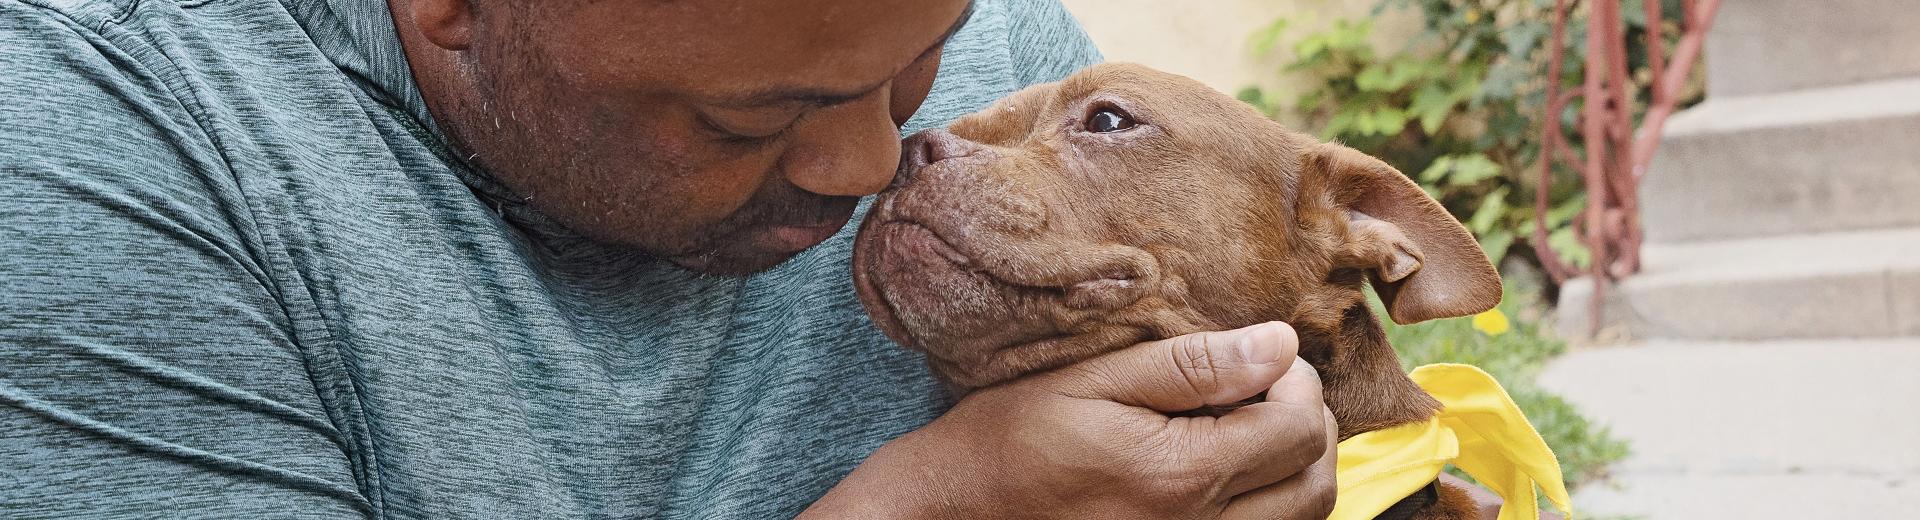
146	367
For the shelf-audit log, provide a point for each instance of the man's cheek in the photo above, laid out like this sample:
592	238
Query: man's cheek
718	188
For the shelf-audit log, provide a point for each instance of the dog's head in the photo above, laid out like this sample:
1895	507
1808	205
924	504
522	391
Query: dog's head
1124	204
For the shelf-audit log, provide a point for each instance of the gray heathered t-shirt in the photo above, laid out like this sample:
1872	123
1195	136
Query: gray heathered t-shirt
240	277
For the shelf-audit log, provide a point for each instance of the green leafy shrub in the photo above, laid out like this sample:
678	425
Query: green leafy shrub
1458	108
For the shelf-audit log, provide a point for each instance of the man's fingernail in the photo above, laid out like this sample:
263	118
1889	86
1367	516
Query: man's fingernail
1260	344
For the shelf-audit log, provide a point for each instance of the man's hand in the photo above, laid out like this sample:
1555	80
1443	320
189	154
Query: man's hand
1094	440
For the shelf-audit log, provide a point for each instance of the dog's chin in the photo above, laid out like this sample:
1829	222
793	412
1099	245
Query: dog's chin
925	294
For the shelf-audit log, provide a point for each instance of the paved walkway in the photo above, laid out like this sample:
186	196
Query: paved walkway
1784	429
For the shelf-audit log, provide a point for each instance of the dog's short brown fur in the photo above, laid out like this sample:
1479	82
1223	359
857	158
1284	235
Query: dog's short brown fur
1020	240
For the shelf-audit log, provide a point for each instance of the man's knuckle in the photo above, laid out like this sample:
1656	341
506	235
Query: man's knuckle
1321	494
1316	428
1179	481
1191	476
1194	356
1298	444
1306	370
1071	379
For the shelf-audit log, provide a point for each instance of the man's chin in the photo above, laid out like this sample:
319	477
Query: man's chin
759	248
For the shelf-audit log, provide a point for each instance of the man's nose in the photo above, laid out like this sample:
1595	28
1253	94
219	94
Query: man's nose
844	150
928	147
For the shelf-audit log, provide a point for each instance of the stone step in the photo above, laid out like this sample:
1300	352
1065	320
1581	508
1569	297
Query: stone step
1775	429
1764	46
1862	284
1808	161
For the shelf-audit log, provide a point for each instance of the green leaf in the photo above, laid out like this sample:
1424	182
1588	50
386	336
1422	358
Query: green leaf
1431	104
1471	169
1633	12
1438	169
1502	81
1568	246
1267	37
1464	48
1522	37
1411	70
1253	96
1366	124
1310	48
1341	122
1492	207
1311	100
1389	121
1560	215
1372	78
1351	35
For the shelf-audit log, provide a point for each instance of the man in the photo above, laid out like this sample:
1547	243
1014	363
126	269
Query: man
555	258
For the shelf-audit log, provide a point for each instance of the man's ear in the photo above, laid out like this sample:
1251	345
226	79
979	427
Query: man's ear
446	23
1424	263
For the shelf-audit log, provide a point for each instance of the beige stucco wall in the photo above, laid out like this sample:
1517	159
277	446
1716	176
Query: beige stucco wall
1208	39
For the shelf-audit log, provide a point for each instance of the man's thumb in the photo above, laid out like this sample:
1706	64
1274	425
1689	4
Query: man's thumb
1191	371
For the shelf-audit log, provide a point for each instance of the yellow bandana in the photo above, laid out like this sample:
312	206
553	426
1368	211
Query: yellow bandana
1479	430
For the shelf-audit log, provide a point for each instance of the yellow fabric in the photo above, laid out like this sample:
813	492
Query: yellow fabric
1480	431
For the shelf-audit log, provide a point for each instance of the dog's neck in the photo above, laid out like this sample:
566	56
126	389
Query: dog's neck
1365	387
1363	383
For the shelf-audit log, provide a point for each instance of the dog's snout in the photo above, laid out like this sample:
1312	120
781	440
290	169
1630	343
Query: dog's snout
939	145
928	147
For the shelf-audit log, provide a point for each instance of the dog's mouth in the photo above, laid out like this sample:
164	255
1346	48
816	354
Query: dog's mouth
961	264
927	294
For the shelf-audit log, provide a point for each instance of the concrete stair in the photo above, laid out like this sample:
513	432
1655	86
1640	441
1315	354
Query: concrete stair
1808	161
1767	46
1859	284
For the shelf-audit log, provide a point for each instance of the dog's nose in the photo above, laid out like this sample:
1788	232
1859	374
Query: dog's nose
928	147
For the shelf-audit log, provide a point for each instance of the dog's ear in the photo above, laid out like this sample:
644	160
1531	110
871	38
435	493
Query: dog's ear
1424	263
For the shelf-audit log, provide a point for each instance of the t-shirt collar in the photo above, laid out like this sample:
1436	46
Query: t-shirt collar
358	36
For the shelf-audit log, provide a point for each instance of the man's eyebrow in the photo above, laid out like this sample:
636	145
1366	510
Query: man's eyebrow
814	97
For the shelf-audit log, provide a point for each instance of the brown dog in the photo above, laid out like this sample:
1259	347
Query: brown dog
1123	205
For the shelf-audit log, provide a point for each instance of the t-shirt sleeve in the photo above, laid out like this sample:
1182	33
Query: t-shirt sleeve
147	368
1048	43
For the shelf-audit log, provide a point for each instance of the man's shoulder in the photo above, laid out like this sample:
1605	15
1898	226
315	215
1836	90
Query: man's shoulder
219	116
114	119
86	14
1047	41
51	37
135	29
168	64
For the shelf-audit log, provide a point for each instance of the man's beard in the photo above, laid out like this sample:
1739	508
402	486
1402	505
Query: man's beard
727	248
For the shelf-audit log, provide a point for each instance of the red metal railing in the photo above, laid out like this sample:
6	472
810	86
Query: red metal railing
1617	154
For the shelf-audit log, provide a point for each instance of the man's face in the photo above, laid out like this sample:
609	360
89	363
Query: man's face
723	135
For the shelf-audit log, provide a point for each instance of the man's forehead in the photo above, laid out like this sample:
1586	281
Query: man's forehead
798	94
752	53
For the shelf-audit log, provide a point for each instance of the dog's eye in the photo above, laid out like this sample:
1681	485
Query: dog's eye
1108	120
